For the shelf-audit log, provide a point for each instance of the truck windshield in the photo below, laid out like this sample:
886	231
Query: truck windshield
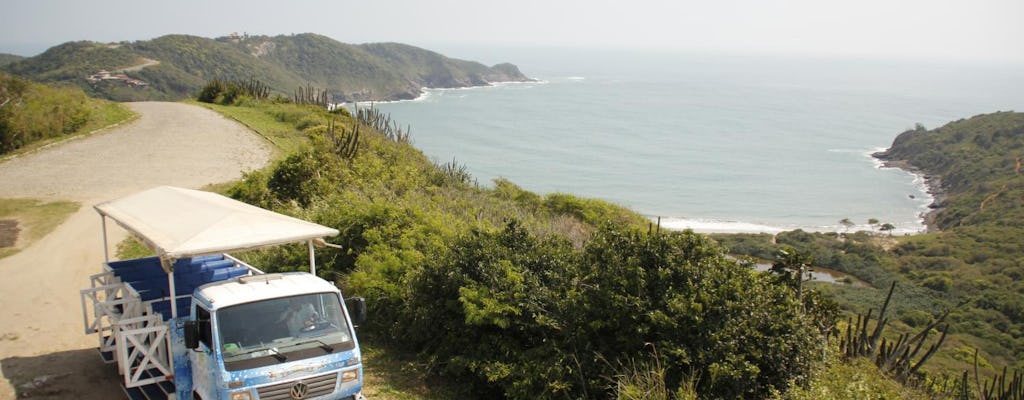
285	329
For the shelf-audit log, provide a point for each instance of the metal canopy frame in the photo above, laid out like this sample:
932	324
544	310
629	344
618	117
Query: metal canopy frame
156	216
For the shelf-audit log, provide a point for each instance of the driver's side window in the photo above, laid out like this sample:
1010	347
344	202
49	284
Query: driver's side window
205	327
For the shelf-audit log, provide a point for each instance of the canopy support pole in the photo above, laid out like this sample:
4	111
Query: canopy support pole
106	253
168	265
174	295
312	258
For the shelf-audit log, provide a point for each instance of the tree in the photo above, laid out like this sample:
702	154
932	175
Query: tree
846	223
791	266
887	227
872	222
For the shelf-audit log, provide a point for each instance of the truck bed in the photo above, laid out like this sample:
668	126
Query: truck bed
132	298
147	278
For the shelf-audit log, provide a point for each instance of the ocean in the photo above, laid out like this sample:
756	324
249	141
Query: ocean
716	143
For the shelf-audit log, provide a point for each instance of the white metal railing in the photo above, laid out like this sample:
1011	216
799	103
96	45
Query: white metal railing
142	350
240	263
129	328
109	303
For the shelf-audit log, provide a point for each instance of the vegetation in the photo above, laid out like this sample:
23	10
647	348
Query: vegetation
514	294
9	58
32	113
972	267
232	92
507	293
35	219
186	63
852	379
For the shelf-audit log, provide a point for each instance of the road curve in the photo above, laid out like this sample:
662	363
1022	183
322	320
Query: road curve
44	352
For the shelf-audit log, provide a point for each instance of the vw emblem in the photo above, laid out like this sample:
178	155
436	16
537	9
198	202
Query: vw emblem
299	391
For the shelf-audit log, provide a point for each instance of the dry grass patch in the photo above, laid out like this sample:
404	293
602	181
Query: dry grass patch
24	221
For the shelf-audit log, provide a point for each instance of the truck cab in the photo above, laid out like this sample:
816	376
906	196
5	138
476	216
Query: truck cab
195	322
272	336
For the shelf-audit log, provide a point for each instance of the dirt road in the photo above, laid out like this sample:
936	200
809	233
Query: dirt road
44	352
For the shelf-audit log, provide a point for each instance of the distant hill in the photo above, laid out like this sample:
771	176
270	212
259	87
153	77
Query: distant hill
978	165
9	58
176	66
972	262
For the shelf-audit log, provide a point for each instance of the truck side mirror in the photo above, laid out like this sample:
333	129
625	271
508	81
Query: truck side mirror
192	334
356	310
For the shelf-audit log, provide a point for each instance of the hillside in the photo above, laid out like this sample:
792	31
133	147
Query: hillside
175	66
978	165
9	58
971	264
495	290
33	113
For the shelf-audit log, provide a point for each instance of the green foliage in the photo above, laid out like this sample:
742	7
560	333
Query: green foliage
855	379
646	380
510	311
31	113
977	160
975	259
592	211
73	62
516	295
132	248
347	72
9	58
232	92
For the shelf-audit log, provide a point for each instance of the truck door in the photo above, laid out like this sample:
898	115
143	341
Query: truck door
203	358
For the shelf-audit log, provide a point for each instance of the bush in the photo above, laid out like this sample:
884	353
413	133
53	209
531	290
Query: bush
232	92
509	311
34	112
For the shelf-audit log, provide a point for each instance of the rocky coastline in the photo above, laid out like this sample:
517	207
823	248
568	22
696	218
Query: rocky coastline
932	183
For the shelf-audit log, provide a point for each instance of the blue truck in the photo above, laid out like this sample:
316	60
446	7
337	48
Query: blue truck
194	322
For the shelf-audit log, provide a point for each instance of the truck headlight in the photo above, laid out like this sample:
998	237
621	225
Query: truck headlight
242	395
349	376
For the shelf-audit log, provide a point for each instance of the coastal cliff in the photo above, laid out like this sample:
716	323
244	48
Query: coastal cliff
174	67
972	167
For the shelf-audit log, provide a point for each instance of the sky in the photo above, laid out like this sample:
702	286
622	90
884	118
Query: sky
986	31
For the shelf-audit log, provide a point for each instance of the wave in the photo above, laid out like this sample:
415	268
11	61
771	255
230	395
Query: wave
920	182
715	226
870	154
426	93
719	226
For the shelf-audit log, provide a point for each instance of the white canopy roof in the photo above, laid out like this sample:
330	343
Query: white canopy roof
179	223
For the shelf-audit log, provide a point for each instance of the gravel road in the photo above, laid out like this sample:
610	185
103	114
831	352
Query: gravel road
44	353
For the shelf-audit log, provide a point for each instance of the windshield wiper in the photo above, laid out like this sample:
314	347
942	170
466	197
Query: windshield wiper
326	347
277	354
273	352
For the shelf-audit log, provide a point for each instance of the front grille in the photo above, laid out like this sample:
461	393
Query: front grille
315	386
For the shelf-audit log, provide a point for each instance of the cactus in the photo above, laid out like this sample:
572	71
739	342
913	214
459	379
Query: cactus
311	95
344	143
893	358
381	122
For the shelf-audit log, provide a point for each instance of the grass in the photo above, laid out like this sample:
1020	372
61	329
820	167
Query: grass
269	121
393	376
854	379
35	218
132	248
104	114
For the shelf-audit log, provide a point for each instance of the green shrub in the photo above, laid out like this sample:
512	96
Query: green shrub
296	179
509	311
32	112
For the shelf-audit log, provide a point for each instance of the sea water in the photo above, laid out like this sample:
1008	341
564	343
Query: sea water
716	143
